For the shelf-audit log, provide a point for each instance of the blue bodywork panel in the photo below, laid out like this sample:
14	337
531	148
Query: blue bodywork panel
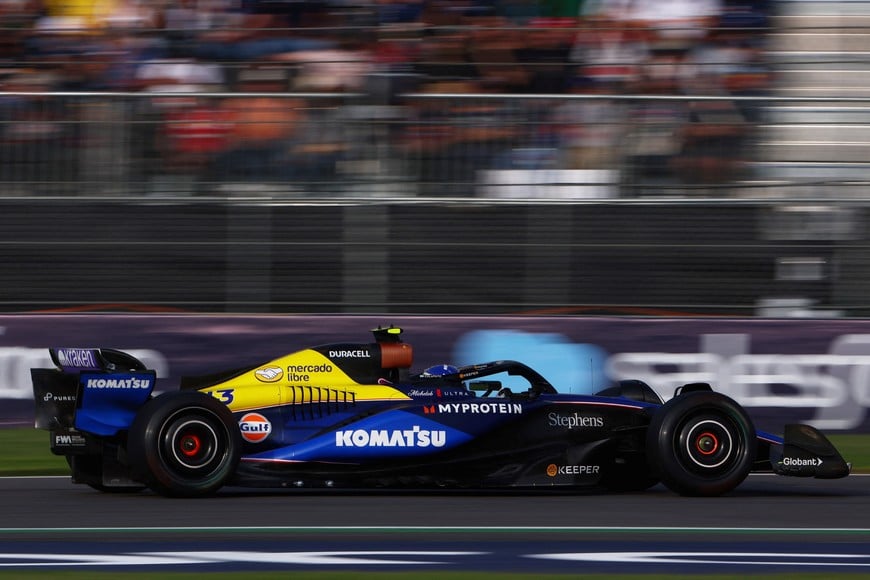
109	401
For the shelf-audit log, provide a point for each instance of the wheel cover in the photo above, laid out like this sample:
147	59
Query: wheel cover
193	445
707	445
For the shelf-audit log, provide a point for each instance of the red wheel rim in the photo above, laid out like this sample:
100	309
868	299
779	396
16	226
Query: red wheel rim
190	445
707	443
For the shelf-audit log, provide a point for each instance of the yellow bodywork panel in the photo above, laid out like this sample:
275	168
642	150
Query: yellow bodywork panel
302	377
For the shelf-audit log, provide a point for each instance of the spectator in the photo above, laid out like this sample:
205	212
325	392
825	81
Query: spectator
592	131
610	52
714	140
481	46
673	19
444	56
37	141
194	135
261	128
492	46
546	51
394	12
17	18
448	140
184	132
336	69
654	127
259	30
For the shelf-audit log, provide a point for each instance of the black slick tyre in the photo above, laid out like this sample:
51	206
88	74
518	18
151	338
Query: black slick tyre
701	443
184	444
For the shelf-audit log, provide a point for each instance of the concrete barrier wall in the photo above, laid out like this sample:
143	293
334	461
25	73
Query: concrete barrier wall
815	371
613	258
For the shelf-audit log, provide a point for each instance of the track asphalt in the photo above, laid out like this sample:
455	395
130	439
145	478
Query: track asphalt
769	524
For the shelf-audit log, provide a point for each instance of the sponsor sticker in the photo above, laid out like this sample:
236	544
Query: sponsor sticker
269	374
302	373
58	398
115	382
78	359
69	440
801	462
554	470
575	421
255	427
360	353
475	408
414	437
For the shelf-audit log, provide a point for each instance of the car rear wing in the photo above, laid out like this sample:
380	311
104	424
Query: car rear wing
74	360
91	389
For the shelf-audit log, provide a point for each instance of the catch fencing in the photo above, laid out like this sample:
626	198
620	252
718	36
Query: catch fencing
435	203
441	145
618	257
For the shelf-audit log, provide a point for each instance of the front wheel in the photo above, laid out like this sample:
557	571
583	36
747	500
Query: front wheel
701	443
184	444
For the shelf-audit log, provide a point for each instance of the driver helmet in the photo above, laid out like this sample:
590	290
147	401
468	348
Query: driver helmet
439	371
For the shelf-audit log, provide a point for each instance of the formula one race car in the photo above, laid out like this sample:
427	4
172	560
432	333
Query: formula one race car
351	415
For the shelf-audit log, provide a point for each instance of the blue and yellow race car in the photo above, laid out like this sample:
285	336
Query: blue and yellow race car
352	415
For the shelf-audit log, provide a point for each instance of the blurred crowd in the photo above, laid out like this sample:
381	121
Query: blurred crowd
320	92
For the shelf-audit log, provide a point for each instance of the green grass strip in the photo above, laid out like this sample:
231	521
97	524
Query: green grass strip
26	451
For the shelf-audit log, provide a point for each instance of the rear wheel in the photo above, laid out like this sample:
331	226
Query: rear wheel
701	443
184	444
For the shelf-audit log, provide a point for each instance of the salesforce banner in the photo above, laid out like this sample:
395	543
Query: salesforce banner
814	371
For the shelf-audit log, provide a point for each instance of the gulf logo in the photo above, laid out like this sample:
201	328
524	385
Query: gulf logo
269	374
254	427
